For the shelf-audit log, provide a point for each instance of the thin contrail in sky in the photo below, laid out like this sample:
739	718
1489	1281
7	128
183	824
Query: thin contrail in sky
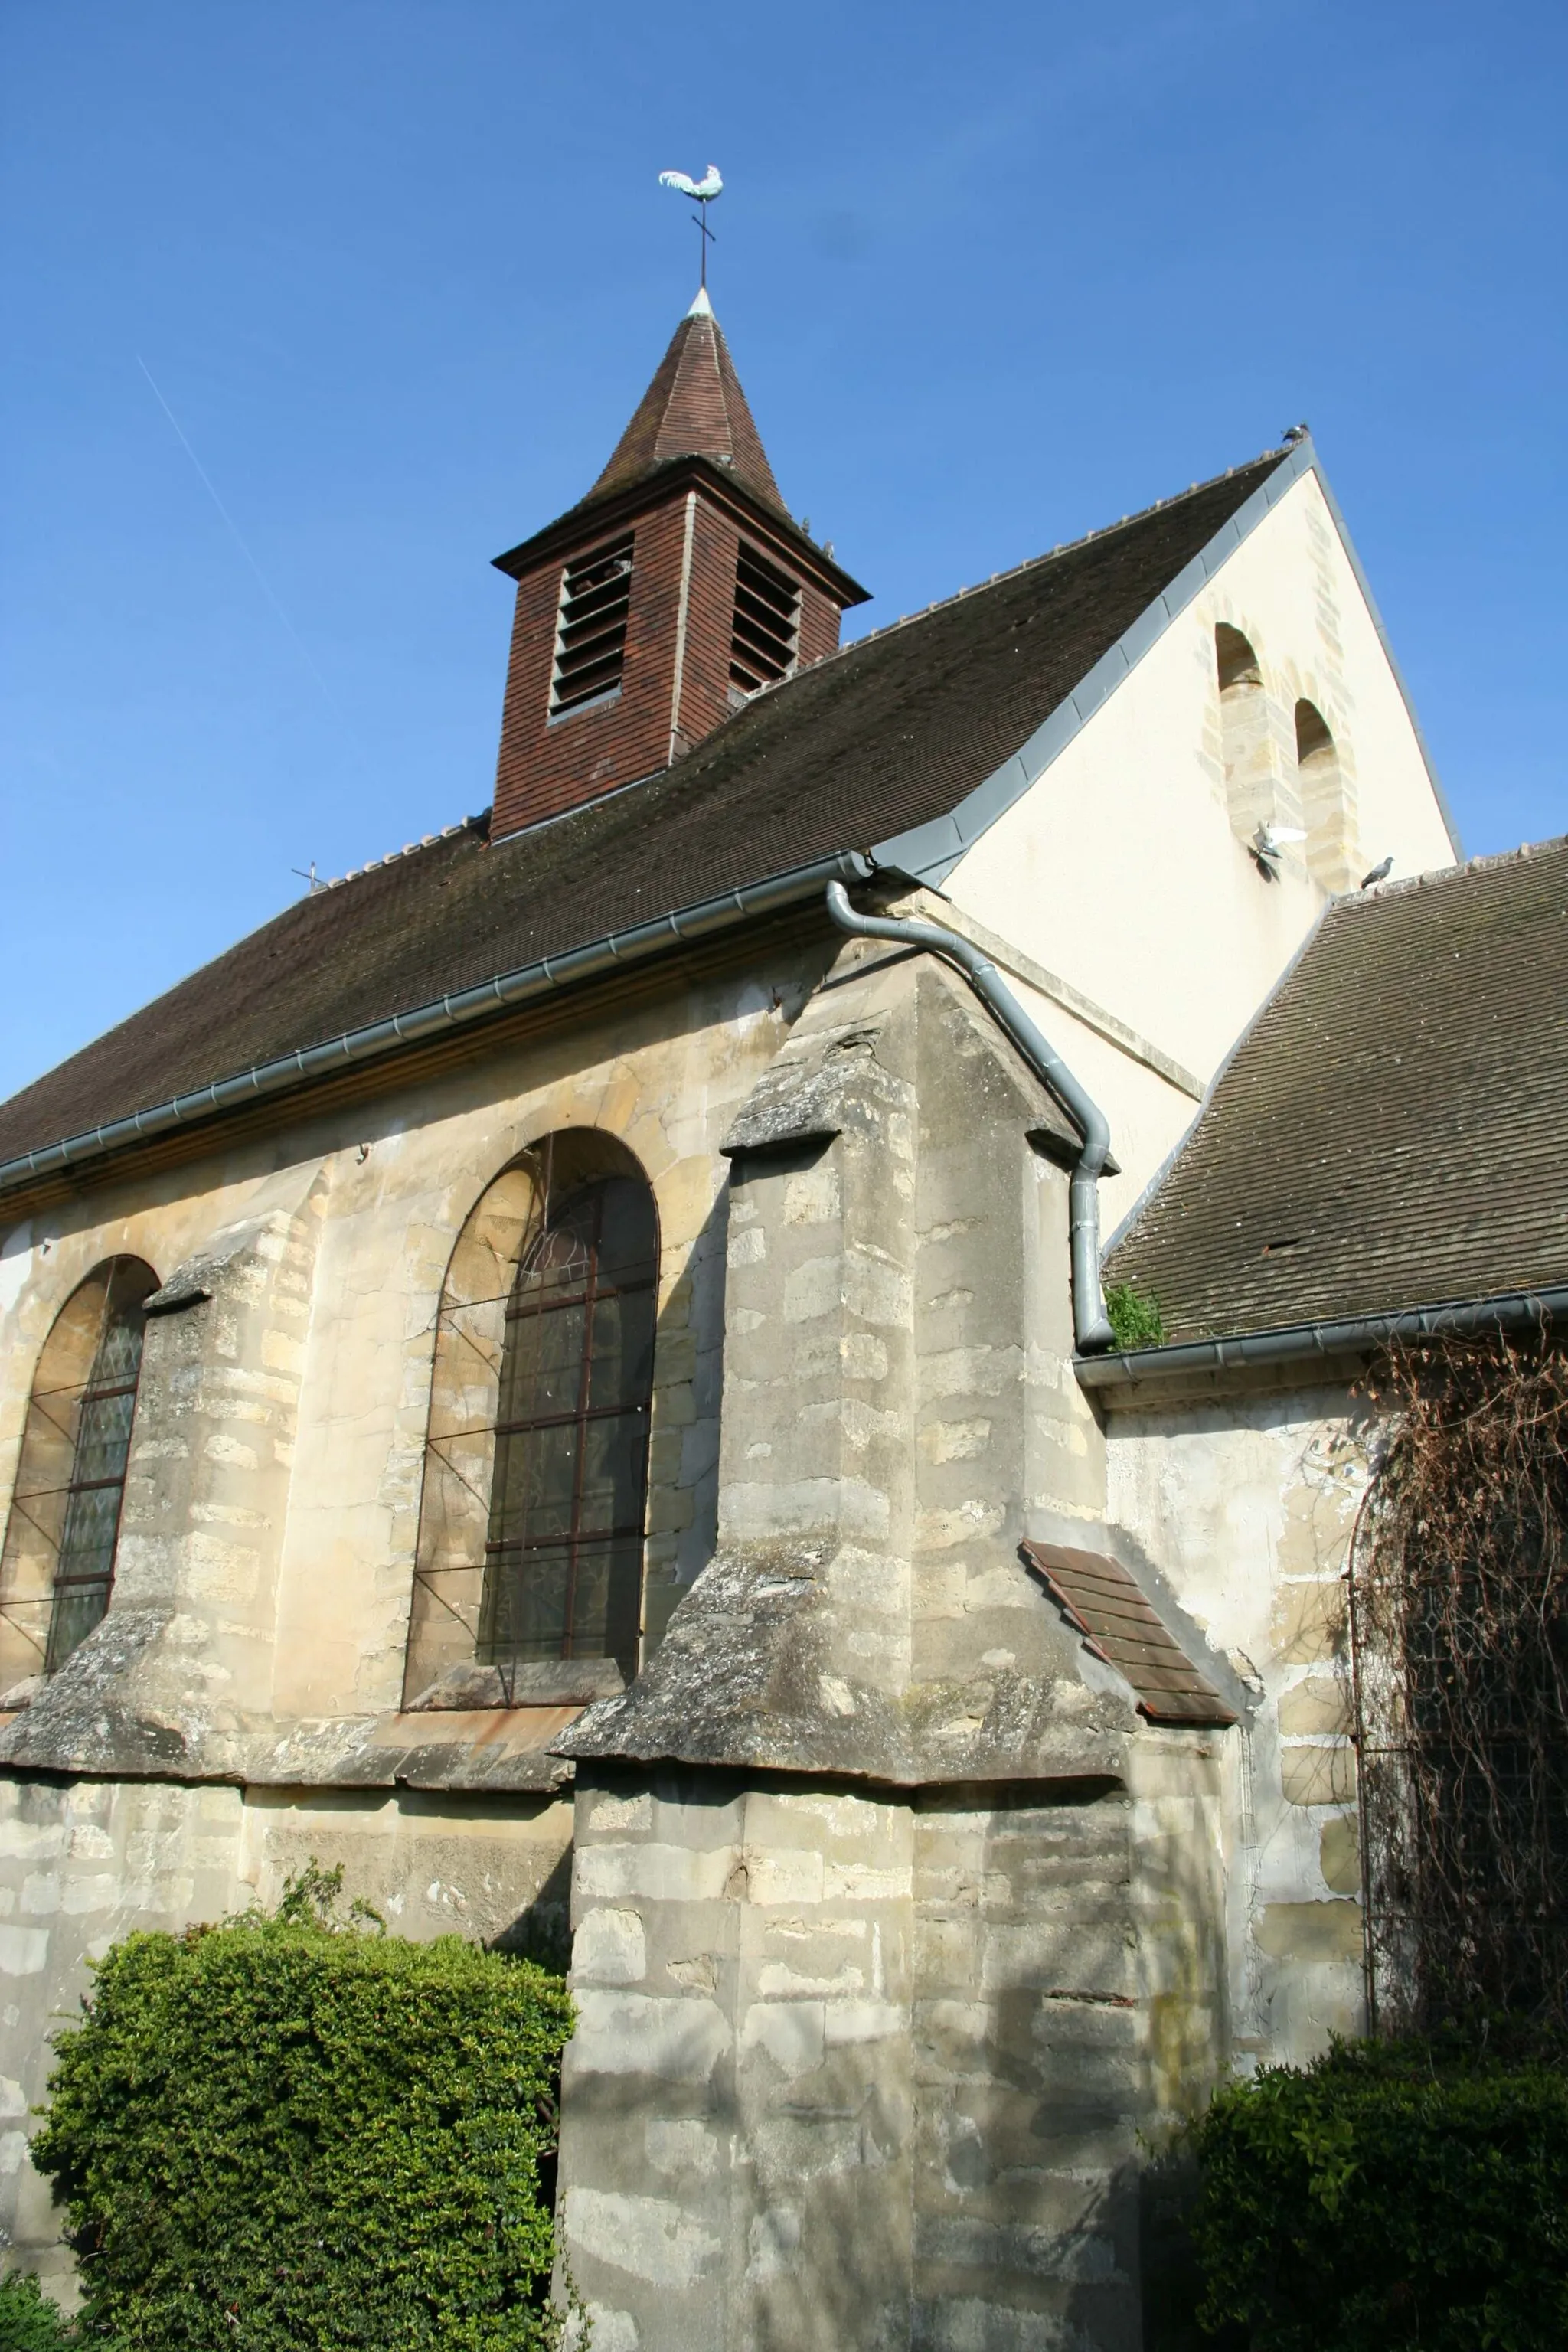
263	582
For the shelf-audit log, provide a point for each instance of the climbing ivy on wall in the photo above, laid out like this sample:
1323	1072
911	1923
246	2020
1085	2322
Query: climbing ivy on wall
298	2131
1460	1618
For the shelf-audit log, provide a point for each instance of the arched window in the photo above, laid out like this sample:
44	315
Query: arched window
531	1532
1236	661
1325	807
1244	733
58	1565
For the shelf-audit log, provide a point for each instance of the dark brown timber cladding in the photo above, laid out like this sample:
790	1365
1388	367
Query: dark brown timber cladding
711	607
548	765
1392	1129
887	734
1107	1605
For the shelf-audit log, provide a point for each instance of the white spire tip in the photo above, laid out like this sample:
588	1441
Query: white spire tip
701	308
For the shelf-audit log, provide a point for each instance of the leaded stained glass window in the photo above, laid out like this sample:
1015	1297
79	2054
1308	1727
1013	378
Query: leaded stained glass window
529	1568
58	1566
564	1553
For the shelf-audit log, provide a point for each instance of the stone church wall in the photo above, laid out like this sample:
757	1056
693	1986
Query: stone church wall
894	1930
249	1673
895	1927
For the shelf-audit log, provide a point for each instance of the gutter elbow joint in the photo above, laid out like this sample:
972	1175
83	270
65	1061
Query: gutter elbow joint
1091	1328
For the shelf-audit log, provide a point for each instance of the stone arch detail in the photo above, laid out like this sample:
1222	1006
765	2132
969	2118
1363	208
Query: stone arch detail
1246	748
1327	811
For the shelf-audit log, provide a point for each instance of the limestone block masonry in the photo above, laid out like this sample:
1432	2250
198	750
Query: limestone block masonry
237	1711
894	1927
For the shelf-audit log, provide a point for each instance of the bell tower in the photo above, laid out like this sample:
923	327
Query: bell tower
660	604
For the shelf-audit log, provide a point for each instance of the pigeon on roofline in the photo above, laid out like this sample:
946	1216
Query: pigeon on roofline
1379	874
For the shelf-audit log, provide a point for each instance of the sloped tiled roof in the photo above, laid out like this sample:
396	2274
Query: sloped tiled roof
1392	1131
889	733
694	407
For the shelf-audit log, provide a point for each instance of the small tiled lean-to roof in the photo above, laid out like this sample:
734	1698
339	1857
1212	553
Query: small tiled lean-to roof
892	732
1106	1603
1392	1131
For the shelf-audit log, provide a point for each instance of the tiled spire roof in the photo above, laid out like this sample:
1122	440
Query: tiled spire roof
693	409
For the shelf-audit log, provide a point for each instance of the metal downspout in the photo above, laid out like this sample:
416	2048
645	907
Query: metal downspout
1091	1328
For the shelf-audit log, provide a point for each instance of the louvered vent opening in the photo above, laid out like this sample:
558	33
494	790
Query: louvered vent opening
590	637
767	626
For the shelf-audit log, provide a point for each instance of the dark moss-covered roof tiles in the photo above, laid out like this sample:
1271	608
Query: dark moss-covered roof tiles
891	732
693	409
1392	1131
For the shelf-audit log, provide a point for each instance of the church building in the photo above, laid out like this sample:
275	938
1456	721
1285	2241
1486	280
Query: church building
570	1372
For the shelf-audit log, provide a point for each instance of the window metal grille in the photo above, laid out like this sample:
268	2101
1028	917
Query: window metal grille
531	1519
58	1562
563	1554
765	639
591	633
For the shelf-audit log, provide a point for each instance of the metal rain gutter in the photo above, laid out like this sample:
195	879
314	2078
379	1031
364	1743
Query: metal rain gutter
531	981
1091	1328
1293	1343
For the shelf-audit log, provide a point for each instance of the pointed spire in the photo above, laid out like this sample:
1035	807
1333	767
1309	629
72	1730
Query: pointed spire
693	409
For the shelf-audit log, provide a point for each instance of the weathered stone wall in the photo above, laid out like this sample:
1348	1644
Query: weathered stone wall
84	1862
1030	2070
257	1629
81	1862
893	1927
739	2098
1245	1506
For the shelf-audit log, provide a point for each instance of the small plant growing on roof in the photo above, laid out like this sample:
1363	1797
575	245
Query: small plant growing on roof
1136	1320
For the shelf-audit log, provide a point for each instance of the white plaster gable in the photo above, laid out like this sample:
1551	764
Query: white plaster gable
1119	868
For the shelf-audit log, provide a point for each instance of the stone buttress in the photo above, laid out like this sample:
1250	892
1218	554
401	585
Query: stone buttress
894	1926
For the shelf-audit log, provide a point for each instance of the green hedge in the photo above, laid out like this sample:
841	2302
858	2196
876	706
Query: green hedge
1395	2194
29	2322
274	2134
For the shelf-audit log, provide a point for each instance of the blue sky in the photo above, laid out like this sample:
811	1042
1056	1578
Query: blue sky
993	276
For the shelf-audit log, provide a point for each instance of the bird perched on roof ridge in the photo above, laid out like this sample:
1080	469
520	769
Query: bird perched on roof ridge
704	190
1379	872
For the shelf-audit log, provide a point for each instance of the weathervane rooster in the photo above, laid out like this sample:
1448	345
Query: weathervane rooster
704	191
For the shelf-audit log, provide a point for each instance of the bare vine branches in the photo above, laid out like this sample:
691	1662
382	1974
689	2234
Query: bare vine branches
1459	1595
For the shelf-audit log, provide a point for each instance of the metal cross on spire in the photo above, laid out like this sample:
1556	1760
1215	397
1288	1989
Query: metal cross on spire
704	191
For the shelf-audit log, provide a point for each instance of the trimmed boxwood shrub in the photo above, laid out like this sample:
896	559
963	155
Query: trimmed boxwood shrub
1408	2193
279	2134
